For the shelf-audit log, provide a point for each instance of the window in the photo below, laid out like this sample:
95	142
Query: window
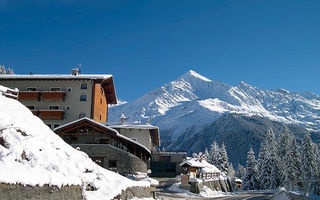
56	126
68	107
83	97
82	115
104	141
83	86
54	107
112	163
31	107
49	125
31	89
55	89
69	89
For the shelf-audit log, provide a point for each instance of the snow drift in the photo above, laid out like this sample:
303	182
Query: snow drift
31	154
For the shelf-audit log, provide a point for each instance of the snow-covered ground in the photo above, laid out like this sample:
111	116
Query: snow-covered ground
206	192
31	154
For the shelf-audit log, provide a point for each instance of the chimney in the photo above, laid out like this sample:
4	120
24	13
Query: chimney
75	71
123	118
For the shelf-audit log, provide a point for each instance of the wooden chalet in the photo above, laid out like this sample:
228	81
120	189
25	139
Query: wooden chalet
88	131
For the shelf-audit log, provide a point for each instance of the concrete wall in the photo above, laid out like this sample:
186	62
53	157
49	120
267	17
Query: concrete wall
72	98
19	192
127	163
140	135
218	185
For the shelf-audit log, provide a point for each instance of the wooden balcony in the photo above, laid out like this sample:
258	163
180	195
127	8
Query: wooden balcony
29	95
51	114
53	95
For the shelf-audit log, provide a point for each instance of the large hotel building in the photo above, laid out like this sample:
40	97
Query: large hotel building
60	99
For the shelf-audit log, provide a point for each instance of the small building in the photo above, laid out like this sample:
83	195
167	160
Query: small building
62	98
197	173
145	134
166	164
106	146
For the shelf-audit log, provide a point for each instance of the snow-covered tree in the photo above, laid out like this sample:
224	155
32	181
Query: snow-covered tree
206	153
2	69
283	150
214	154
269	163
231	171
308	158
250	180
291	166
224	161
241	171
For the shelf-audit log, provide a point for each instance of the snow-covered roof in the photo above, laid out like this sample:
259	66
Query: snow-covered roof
200	163
104	126
31	154
55	76
132	125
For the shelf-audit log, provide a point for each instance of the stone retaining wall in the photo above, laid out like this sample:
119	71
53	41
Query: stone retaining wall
20	192
127	163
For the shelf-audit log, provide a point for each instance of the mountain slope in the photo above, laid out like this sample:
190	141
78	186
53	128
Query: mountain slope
193	101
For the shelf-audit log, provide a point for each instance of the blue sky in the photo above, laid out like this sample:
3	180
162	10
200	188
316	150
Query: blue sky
144	44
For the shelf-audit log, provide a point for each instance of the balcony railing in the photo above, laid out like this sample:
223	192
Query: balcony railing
53	95
29	95
51	114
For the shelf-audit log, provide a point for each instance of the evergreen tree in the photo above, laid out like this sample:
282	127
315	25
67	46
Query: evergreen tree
283	150
308	158
250	180
214	155
206	153
231	171
2	69
223	161
291	166
268	163
241	171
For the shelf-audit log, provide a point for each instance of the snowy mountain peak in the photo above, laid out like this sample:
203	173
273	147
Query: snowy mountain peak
194	75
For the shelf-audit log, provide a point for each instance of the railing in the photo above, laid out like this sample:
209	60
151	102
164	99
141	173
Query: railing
51	114
29	95
44	95
53	95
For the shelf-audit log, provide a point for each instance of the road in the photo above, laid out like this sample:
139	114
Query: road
163	193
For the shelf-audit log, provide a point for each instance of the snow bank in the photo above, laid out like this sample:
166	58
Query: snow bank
206	192
31	154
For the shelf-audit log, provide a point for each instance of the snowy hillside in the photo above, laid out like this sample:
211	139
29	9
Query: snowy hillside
31	154
194	101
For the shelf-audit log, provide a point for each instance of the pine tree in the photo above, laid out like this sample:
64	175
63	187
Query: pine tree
250	180
2	69
283	149
214	155
241	171
231	171
268	163
206	153
308	158
224	161
291	166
